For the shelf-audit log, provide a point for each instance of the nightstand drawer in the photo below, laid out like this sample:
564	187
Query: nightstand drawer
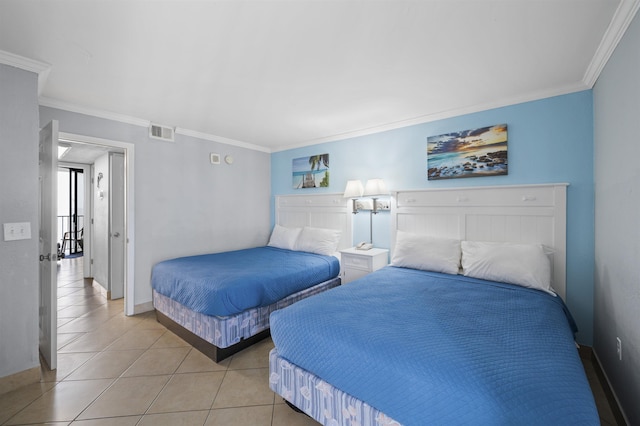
357	262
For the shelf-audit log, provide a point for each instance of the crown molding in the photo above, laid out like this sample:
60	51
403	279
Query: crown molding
27	64
533	96
621	20
427	118
93	112
220	139
68	106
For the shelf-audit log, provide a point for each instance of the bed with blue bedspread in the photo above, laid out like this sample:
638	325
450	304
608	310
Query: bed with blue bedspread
415	347
221	302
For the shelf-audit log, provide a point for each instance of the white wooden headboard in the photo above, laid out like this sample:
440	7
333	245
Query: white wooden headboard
521	214
317	210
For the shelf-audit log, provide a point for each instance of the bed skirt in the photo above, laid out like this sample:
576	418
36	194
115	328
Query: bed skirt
318	399
226	332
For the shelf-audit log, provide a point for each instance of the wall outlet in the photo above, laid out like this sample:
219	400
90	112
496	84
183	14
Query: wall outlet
619	348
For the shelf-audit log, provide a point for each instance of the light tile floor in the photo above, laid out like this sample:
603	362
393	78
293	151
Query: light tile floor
118	370
121	371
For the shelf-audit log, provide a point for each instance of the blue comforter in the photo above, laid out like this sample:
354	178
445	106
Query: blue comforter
436	349
227	283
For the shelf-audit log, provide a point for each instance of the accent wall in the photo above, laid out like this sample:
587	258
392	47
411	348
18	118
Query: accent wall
549	141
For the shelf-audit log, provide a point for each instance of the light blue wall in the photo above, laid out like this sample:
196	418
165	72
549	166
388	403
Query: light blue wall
550	140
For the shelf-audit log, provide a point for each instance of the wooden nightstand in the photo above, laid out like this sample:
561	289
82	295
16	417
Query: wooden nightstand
358	263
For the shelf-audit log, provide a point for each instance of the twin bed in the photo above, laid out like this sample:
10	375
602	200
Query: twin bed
221	302
466	326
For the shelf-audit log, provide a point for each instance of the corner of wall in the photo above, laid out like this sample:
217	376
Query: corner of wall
20	379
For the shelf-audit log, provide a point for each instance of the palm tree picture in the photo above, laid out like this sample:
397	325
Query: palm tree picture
311	172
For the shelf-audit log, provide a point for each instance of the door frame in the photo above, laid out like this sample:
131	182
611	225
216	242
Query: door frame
129	212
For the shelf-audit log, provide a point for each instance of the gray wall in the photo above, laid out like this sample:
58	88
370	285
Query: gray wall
617	220
18	203
183	204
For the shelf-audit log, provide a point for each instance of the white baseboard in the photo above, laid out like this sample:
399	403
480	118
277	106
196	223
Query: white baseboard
103	291
142	308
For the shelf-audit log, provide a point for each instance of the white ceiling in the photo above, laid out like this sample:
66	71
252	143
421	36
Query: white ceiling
272	75
82	153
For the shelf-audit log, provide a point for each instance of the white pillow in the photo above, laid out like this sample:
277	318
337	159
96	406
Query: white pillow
318	240
284	238
526	265
426	253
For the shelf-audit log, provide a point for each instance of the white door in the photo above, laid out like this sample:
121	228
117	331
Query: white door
48	315
116	225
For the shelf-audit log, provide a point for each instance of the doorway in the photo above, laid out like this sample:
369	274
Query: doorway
90	147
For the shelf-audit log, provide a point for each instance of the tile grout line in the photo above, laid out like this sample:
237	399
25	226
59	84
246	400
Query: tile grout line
165	385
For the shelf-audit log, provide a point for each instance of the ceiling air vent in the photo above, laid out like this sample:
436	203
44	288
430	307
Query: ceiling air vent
161	132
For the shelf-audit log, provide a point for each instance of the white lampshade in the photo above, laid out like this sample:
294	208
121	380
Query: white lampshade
375	187
354	189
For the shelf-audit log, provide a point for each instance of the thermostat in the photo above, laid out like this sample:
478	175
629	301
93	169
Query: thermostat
228	159
215	158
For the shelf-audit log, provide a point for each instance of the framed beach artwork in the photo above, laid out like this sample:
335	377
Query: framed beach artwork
468	153
311	172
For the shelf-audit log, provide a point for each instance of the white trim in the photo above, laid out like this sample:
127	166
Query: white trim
532	96
221	139
27	64
621	20
107	115
68	106
129	159
21	62
142	308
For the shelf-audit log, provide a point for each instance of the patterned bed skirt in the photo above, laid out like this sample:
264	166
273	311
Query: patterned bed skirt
227	331
320	400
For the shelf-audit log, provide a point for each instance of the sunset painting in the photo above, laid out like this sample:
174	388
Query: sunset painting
468	153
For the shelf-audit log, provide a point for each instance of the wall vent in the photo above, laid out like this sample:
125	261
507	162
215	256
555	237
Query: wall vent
161	132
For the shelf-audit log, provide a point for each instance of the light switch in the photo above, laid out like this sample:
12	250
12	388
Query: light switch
17	231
